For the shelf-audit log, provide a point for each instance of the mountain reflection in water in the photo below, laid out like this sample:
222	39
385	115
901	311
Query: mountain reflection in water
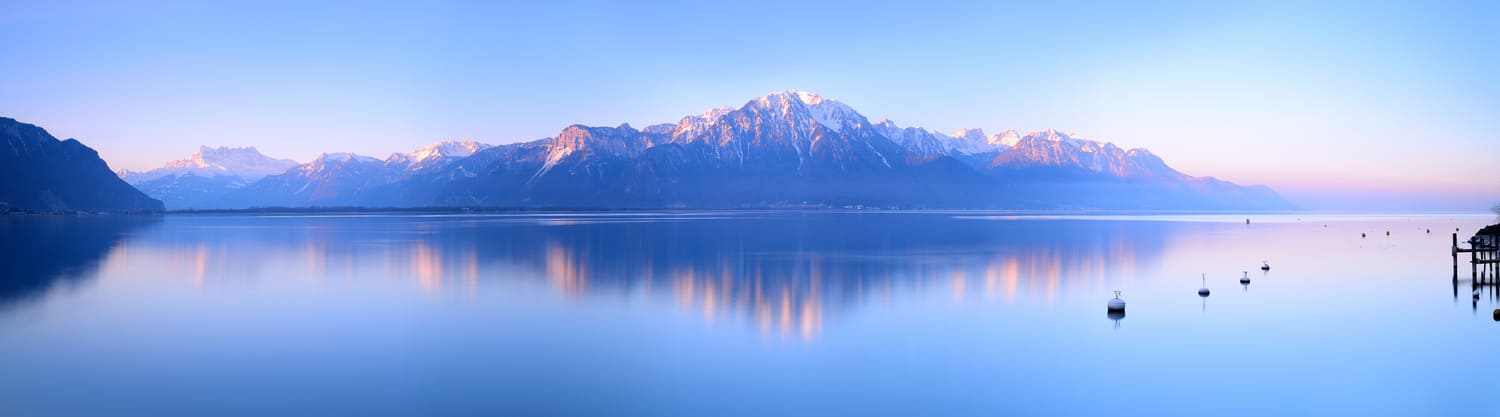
43	252
785	273
736	313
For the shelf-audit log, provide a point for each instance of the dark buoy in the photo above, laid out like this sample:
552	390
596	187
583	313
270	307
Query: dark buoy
1387	233
1245	279
1116	304
1429	231
1265	266
1203	292
1361	235
1497	314
1247	221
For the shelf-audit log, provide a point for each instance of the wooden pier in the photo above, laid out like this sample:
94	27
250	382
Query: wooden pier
1484	259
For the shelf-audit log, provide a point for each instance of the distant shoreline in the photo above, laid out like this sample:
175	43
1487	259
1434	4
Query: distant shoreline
523	210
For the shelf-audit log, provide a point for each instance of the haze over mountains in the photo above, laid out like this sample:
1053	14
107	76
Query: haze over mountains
787	149
345	179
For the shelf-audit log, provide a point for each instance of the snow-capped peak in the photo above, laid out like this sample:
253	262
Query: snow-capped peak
1052	135
695	124
247	163
809	98
830	113
835	115
1007	138
973	141
448	149
804	97
1070	139
715	113
342	157
331	161
435	153
970	134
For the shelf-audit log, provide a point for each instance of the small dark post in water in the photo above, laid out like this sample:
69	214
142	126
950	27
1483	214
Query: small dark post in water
1484	254
1455	259
1247	221
1488	257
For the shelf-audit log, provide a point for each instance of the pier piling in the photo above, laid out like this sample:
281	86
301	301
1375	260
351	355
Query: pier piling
1484	259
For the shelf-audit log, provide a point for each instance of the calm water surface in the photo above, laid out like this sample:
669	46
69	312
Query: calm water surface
739	313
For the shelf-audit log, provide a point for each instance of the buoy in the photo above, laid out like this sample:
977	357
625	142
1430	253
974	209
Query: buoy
1247	221
1361	235
1497	314
1116	304
1203	292
1246	278
1387	233
1265	266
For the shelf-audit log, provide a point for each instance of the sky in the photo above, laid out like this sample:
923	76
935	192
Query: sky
1336	105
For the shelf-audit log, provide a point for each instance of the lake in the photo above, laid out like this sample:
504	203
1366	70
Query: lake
741	313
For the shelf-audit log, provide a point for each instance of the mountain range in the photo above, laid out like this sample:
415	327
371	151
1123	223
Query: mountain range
786	149
206	176
345	179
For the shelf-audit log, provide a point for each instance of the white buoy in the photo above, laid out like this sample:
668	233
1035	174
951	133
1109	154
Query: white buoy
1116	304
1245	279
1203	292
1265	266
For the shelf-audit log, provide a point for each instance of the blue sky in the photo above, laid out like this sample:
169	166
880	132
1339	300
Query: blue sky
1334	104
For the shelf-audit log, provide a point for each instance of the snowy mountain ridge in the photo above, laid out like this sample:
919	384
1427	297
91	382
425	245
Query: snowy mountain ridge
789	148
246	163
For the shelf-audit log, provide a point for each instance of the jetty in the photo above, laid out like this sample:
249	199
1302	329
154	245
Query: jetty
1484	256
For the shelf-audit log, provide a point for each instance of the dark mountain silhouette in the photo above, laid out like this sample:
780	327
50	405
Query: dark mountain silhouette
39	172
